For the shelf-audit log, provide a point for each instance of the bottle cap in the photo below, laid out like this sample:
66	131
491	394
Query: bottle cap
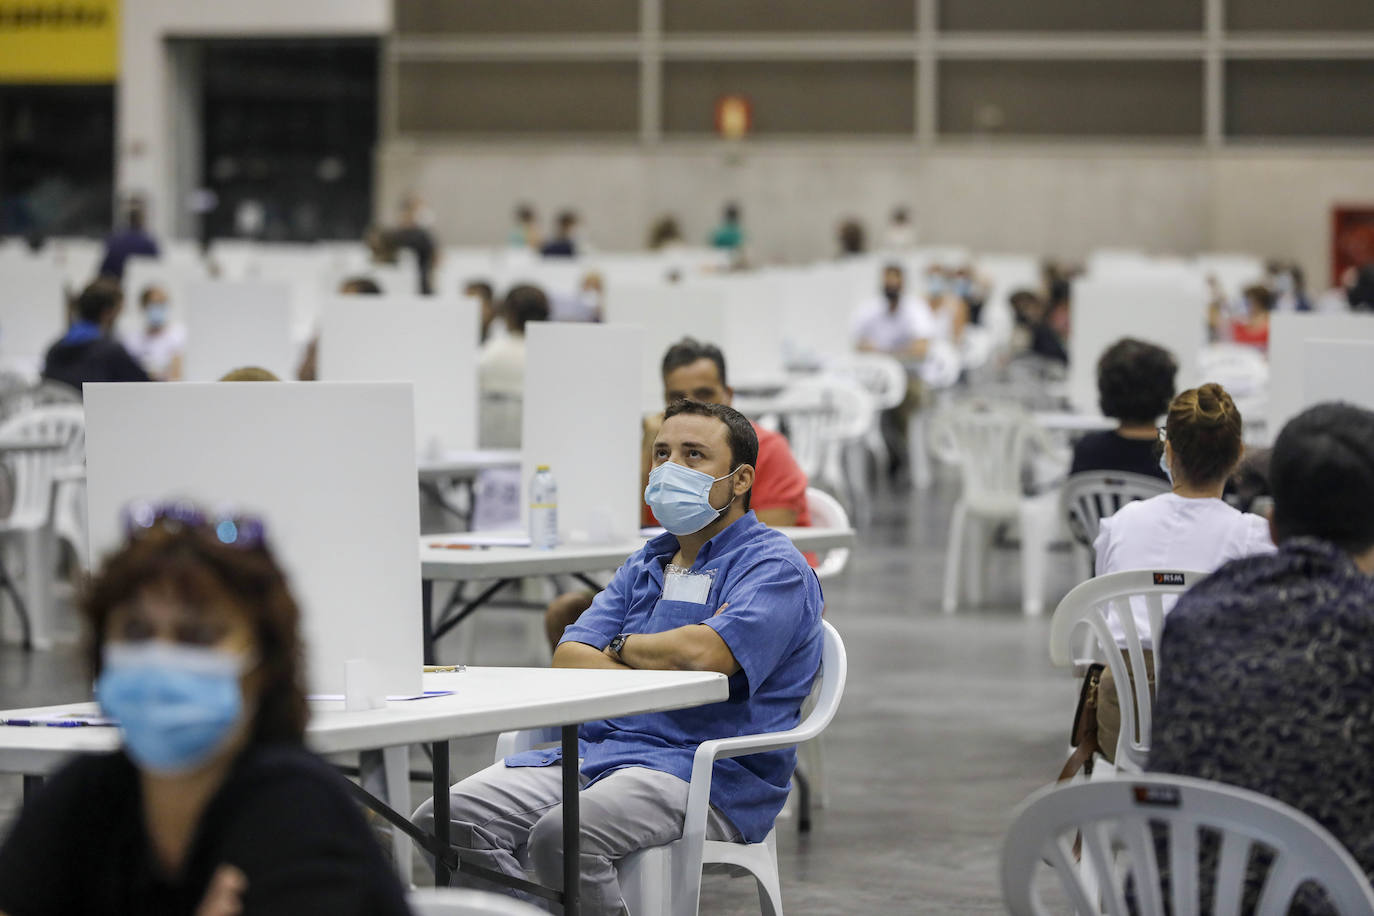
541	467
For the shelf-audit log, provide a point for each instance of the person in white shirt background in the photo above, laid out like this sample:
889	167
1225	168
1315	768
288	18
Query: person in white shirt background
159	344
900	325
1189	528
501	369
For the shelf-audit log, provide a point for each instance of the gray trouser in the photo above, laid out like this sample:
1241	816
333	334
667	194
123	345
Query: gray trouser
506	816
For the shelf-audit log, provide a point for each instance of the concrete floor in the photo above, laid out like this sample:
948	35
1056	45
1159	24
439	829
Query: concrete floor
947	723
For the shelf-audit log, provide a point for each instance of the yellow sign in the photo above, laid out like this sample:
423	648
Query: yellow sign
59	41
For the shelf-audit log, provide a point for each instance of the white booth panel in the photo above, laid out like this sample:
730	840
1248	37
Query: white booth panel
236	323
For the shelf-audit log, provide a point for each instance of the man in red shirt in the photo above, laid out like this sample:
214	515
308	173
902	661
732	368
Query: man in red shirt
696	370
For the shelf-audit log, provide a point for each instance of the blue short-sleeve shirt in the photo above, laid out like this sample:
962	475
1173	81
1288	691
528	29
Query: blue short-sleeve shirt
772	627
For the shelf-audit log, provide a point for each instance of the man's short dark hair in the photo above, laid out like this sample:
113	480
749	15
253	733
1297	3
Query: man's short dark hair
566	220
1322	475
739	433
687	351
525	303
732	212
1135	381
146	296
361	286
99	299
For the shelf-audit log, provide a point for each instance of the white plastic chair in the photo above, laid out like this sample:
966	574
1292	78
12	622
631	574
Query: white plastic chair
1091	496
826	439
446	901
31	519
1116	817
1242	370
667	879
826	512
883	376
1123	595
990	445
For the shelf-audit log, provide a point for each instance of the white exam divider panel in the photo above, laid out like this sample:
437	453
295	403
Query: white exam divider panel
1288	334
32	310
236	323
755	309
582	419
666	314
330	469
1338	370
819	310
1167	308
428	341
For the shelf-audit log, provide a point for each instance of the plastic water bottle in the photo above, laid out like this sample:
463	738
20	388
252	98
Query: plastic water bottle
543	509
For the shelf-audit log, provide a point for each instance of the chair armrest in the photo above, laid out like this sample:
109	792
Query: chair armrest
509	743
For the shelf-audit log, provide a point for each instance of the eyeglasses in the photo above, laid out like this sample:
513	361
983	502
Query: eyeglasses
243	531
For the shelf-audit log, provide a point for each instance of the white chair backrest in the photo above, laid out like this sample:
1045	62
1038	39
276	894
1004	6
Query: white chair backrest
988	443
1240	369
1118	819
826	512
33	470
881	375
1091	496
445	901
1117	596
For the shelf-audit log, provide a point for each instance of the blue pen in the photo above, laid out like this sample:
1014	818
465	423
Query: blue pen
66	723
16	721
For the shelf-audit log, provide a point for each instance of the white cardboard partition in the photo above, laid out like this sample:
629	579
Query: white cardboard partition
428	341
1164	308
236	323
582	418
330	468
820	306
1338	370
666	314
32	310
1288	333
755	306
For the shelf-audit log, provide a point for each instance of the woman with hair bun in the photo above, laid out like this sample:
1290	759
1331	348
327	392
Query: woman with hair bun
1188	528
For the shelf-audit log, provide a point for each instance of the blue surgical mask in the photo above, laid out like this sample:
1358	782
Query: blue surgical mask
1164	466
175	704
680	497
156	315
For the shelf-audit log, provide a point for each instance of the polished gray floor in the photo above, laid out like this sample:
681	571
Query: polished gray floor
947	723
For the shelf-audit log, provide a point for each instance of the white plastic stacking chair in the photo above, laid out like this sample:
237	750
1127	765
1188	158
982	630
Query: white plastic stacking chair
826	512
31	518
827	438
1118	819
884	377
666	880
1091	496
989	444
446	901
1242	370
1121	596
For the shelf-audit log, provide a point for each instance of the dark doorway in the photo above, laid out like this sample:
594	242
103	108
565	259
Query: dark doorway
56	159
289	132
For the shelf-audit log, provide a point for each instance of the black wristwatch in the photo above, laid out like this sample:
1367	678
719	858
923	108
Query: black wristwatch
617	644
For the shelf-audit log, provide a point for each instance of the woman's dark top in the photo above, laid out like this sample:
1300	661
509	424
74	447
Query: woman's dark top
1109	451
283	817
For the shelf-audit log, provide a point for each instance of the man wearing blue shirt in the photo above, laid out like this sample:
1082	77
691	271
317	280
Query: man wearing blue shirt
719	592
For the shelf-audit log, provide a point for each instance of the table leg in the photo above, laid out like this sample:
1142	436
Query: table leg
427	619
441	812
572	826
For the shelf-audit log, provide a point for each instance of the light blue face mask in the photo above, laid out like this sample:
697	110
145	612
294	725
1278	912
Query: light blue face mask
156	315
680	497
175	704
1164	466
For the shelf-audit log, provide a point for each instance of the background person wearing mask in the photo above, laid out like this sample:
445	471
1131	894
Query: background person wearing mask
1267	681
501	369
213	804
1135	382
901	326
696	371
1189	528
88	352
159	344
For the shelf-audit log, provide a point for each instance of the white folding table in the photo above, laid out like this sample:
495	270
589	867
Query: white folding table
484	701
455	558
461	467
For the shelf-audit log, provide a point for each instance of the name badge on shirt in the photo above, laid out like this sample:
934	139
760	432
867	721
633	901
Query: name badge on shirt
684	585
